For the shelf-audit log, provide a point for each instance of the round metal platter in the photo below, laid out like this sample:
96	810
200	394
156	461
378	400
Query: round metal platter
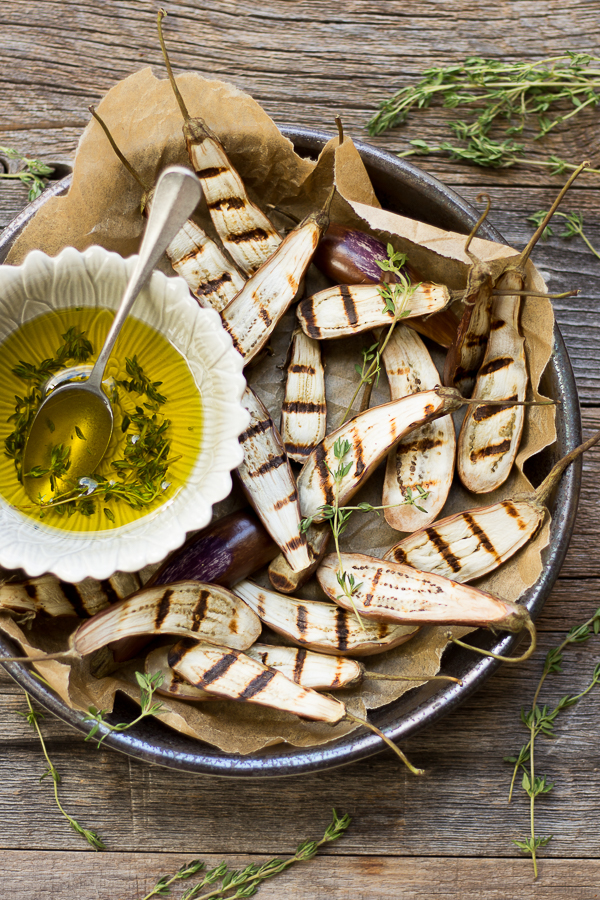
405	189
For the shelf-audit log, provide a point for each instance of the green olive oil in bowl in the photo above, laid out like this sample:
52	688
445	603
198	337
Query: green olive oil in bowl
158	419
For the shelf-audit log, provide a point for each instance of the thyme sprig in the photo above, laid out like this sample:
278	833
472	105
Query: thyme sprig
238	884
33	717
395	297
338	517
141	471
76	349
540	720
490	92
32	175
148	685
573	227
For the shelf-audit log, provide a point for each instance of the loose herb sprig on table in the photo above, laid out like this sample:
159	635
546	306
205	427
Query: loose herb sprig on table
338	516
33	717
236	884
395	298
540	720
33	174
492	91
573	227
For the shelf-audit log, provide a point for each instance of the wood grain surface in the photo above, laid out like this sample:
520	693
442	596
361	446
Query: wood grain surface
449	834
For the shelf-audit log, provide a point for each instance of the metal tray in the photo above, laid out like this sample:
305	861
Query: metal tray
403	188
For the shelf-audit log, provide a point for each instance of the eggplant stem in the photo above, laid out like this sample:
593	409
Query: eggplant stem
184	110
378	676
118	152
552	479
340	128
34	659
480	220
387	740
524	293
528	624
524	255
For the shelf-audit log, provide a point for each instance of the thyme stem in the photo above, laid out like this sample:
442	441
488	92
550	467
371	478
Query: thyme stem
91	837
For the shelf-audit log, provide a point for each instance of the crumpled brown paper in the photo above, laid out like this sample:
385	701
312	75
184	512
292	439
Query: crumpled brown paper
102	207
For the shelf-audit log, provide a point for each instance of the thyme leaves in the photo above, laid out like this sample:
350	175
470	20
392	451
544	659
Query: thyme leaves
540	720
141	469
32	174
497	94
33	717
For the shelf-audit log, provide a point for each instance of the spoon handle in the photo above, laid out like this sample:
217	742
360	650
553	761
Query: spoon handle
176	196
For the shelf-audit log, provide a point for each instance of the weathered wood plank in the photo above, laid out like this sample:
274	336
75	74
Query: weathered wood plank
303	62
137	807
130	876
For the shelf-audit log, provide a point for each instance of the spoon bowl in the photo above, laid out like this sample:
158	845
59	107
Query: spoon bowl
72	428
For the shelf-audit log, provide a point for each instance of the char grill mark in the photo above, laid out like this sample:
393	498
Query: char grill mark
228	203
299	664
323	471
256	428
495	365
294	543
443	549
31	591
349	306
302	369
163	609
211	171
301	619
492	450
177	652
302	406
74	597
486	412
514	513
374	582
297	449
341	628
211	287
480	534
246	237
257	684
218	670
284	501
111	594
200	610
274	463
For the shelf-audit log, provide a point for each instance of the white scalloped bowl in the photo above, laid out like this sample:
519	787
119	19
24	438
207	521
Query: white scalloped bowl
97	278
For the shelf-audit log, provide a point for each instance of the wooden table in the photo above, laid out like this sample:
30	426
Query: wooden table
449	834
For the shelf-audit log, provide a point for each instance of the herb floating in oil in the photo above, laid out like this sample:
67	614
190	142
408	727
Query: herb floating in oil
76	349
540	720
141	471
338	516
33	717
33	175
493	92
573	227
245	882
395	297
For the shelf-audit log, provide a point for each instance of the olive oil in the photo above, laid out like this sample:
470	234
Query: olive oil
38	340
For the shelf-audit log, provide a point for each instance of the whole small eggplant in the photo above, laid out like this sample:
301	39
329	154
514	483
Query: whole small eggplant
223	553
349	256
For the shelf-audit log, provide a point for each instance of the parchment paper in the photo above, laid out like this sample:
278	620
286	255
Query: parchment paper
102	207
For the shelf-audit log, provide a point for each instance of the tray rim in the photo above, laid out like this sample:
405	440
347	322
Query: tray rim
171	749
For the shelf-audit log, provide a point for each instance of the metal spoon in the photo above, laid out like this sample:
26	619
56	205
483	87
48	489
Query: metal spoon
75	421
